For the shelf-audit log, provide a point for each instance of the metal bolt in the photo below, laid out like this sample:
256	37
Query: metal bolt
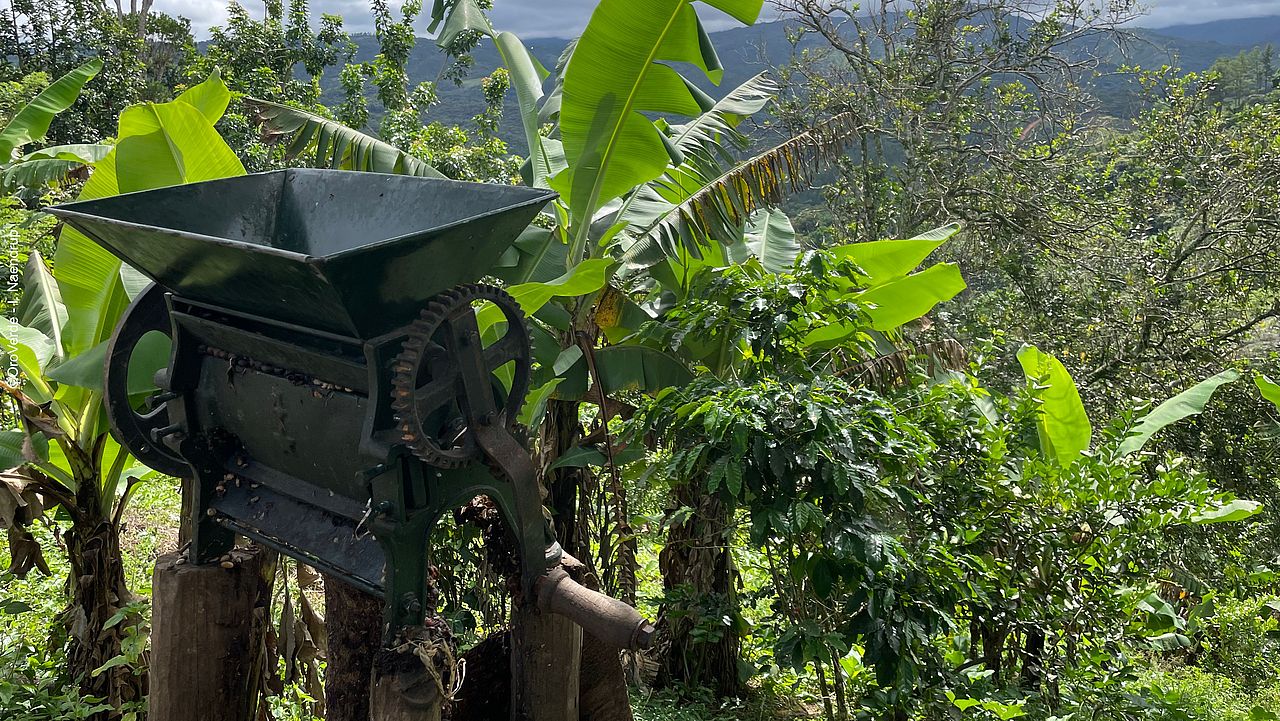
411	604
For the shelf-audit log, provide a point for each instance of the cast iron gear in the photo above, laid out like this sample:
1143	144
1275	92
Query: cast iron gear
428	396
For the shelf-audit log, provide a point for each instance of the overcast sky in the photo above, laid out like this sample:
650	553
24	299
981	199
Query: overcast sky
565	18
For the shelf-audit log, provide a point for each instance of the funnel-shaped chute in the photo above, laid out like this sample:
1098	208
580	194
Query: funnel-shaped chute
352	253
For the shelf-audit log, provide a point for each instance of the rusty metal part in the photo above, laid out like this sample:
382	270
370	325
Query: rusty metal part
298	378
434	405
451	409
608	619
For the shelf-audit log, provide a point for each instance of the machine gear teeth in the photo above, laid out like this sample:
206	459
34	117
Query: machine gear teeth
435	428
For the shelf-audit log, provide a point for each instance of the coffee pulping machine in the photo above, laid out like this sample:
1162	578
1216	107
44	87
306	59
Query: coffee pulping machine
328	392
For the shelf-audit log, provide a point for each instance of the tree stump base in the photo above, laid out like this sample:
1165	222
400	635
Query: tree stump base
412	681
208	625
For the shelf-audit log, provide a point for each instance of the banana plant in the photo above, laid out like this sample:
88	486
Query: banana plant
1269	389
329	144
591	138
31	123
62	455
1065	432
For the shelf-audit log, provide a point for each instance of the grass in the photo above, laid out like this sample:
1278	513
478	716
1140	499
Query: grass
649	705
1236	683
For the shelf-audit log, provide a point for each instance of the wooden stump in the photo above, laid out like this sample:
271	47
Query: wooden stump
411	681
545	661
353	622
207	629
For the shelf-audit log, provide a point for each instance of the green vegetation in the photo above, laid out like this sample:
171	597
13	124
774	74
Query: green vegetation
982	427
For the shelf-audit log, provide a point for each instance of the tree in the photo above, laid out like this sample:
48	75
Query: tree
560	273
948	98
139	49
62	455
748	326
279	58
918	526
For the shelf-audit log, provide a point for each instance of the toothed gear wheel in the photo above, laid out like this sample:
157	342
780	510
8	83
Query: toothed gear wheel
427	388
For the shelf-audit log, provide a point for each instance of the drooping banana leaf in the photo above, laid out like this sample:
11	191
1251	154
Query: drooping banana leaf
32	121
85	153
330	144
546	156
1269	389
770	237
669	215
639	368
1187	403
41	304
898	302
886	260
39	173
719	124
460	16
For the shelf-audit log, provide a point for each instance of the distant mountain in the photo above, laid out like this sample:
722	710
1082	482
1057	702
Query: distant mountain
747	51
1239	34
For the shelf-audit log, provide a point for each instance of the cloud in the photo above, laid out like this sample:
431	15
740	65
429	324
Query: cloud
566	18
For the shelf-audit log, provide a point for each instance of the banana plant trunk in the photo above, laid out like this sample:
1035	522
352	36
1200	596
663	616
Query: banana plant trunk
566	487
98	590
697	569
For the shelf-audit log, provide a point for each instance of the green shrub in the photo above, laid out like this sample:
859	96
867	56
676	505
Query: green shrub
1205	696
34	686
1242	642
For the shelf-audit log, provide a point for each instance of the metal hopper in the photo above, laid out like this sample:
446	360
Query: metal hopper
352	253
328	393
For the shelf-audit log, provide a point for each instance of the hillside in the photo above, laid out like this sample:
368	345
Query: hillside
1237	34
750	50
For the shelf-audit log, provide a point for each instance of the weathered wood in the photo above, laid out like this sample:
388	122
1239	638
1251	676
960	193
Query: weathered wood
545	661
395	696
402	687
602	683
353	622
208	627
485	694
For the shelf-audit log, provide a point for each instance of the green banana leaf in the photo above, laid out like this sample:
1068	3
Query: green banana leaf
585	277
1063	425
639	368
1268	388
616	74
1187	403
893	304
41	304
32	121
885	260
771	238
331	144
546	156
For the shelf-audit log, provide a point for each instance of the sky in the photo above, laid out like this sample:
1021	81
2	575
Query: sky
565	18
